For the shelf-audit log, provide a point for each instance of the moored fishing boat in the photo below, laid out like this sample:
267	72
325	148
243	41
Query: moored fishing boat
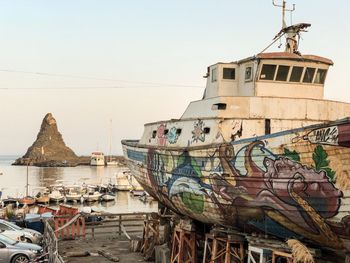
56	195
262	151
108	197
74	193
91	195
27	200
42	197
97	159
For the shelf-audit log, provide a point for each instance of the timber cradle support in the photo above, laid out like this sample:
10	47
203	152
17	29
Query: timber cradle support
223	249
150	238
184	247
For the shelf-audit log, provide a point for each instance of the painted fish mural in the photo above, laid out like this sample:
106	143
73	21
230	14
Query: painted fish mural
284	184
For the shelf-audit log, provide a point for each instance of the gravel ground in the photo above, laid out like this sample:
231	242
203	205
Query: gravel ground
116	247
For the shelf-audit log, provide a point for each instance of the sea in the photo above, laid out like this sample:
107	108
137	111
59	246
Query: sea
13	181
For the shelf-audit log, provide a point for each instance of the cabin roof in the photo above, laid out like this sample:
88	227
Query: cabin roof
282	55
293	56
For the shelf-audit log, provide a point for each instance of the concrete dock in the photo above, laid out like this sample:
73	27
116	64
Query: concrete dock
118	247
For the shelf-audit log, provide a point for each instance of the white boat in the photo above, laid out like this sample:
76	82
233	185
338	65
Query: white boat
97	159
108	197
56	196
125	182
74	194
92	196
262	152
112	163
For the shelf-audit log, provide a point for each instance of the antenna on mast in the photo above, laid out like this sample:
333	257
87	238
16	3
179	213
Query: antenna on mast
284	10
291	32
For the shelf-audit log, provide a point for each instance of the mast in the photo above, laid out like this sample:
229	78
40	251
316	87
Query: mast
110	140
292	32
27	183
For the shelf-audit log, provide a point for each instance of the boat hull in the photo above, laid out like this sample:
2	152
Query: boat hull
73	198
43	200
108	197
290	184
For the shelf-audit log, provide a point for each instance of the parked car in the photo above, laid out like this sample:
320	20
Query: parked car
12	251
15	235
30	235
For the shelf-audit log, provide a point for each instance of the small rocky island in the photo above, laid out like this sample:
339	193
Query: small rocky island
49	148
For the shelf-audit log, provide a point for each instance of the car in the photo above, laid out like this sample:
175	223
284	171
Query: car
30	235
15	235
13	251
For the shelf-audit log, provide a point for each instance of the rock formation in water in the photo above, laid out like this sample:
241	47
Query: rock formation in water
49	148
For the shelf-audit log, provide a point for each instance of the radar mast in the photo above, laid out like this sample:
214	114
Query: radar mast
292	32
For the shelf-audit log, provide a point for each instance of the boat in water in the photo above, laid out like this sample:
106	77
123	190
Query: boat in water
27	200
42	197
92	194
97	159
261	152
74	193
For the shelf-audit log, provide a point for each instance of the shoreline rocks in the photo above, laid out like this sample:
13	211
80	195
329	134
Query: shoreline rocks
49	148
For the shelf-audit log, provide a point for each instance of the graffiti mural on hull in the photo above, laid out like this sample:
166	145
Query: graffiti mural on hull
289	184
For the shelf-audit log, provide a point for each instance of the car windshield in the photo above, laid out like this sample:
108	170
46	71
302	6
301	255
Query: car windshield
15	226
7	240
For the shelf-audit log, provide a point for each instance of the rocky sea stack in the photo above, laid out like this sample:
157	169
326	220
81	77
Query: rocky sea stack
49	148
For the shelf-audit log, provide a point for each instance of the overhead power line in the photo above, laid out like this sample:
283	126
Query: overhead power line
97	78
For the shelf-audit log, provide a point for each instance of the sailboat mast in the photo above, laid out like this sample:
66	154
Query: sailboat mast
27	184
110	140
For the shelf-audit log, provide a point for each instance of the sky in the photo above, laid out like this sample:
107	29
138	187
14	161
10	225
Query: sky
89	61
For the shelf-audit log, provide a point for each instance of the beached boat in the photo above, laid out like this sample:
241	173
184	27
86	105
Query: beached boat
262	151
97	159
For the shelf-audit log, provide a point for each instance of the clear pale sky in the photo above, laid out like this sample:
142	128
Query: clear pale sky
145	48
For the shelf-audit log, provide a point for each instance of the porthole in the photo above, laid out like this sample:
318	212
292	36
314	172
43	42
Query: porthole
206	130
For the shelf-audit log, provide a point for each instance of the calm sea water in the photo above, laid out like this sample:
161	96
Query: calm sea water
13	182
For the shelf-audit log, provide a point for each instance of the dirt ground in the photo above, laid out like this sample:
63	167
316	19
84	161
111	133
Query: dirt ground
117	247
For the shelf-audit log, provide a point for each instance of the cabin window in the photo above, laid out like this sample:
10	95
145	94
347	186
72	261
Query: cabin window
248	73
214	77
267	126
154	134
178	131
296	74
268	72
206	130
229	73
282	73
219	106
309	75
320	76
